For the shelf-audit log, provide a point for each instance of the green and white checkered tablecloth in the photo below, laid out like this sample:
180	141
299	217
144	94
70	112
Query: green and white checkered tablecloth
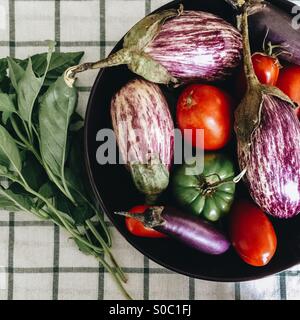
37	260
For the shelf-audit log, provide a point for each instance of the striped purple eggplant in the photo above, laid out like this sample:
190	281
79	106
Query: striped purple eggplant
268	134
145	134
197	46
273	161
176	46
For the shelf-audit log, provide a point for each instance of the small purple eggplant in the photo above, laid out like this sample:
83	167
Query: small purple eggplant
176	46
188	229
268	24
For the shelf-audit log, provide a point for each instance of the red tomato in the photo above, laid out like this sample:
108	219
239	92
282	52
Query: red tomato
206	107
137	228
266	69
289	82
252	234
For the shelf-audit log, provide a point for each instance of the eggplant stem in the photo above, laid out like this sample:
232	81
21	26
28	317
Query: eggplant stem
239	177
248	65
180	9
151	218
122	56
137	216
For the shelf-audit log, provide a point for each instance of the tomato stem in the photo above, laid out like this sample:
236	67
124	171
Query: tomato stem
208	188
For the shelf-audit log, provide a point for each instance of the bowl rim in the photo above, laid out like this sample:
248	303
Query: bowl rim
287	5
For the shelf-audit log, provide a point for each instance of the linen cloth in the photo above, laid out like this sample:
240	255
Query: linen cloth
37	260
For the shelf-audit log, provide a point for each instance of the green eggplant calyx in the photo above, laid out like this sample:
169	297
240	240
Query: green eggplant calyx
150	179
153	217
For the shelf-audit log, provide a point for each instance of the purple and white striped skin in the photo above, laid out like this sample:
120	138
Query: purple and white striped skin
174	47
273	162
142	123
192	231
197	45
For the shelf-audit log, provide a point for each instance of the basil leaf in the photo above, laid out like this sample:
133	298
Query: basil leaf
82	247
5	117
59	62
76	123
9	153
57	106
79	213
33	172
3	68
14	202
5	85
3	65
28	88
16	72
46	190
6	103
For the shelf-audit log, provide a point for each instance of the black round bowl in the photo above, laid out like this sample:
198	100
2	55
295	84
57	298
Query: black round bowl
114	189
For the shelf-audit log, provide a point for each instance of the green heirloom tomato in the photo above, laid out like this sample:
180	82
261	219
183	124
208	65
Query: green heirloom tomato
210	193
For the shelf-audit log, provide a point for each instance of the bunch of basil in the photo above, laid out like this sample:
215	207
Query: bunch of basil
40	145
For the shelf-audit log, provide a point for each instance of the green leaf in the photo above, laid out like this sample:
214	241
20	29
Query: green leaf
57	107
3	65
5	84
28	89
76	122
75	168
16	72
33	172
9	152
3	68
59	62
6	103
81	213
14	202
63	204
82	247
5	117
4	171
78	213
47	190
